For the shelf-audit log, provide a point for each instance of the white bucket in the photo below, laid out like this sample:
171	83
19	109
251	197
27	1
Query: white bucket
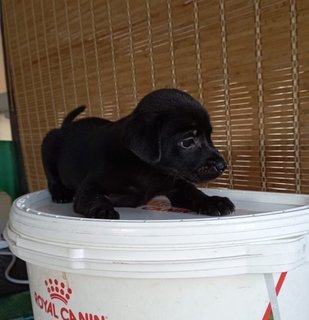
161	263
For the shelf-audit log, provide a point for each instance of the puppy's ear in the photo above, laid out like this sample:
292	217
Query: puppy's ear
142	137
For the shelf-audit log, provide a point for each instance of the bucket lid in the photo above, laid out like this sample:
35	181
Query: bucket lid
267	233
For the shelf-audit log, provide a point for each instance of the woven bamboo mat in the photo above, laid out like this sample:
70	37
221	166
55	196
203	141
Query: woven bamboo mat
246	61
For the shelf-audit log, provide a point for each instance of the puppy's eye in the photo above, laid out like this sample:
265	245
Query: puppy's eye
188	143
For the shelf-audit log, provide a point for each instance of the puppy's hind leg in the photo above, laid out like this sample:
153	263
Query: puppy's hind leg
91	201
50	150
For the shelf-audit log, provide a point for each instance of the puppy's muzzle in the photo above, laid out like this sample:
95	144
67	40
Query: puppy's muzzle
211	170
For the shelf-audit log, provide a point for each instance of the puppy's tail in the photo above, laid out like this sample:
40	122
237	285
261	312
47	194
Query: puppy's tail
72	115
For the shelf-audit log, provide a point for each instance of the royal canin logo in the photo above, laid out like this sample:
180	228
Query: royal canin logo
58	290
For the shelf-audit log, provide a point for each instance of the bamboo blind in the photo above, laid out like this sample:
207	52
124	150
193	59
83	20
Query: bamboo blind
247	61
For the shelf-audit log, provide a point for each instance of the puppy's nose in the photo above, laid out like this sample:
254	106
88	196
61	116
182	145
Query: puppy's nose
220	166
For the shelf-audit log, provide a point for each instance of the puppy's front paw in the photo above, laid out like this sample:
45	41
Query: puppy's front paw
216	206
93	204
103	213
60	194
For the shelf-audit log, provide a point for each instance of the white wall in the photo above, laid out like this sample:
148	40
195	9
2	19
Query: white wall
5	128
2	70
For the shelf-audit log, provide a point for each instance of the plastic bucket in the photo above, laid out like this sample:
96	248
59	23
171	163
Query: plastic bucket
162	263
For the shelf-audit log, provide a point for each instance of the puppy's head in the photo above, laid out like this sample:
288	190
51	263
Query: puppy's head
172	131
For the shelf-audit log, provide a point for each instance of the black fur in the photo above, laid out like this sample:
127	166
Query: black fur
161	148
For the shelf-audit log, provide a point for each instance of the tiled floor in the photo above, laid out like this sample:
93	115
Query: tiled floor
16	306
14	299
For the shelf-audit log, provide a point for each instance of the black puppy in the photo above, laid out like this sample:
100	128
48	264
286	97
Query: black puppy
159	149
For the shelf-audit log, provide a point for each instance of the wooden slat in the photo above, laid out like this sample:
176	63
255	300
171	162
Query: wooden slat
247	62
